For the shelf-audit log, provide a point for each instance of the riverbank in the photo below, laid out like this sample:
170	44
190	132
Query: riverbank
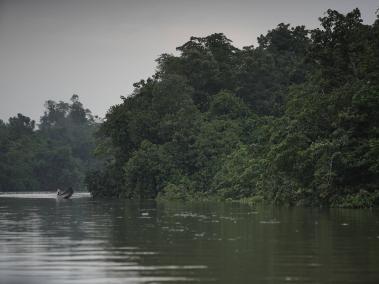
363	199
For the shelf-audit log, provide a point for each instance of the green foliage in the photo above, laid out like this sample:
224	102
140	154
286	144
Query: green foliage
362	199
180	189
228	106
240	175
293	120
146	171
58	154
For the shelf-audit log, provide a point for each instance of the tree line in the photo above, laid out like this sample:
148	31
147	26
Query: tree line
293	120
57	154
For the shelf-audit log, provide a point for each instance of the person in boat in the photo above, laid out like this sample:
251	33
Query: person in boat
65	193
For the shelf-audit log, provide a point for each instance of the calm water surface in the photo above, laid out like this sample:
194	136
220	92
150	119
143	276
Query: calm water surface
43	240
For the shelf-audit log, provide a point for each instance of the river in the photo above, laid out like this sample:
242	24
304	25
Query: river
44	240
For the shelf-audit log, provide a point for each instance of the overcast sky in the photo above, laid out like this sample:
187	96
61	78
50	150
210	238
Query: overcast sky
51	49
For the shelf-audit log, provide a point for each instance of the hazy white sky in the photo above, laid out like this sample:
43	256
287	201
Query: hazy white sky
51	49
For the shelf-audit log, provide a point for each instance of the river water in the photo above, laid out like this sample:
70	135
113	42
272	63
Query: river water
44	240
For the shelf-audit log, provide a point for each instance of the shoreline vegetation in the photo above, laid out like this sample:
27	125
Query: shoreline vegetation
292	121
360	200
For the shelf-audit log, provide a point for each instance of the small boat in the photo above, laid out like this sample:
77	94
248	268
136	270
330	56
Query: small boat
66	194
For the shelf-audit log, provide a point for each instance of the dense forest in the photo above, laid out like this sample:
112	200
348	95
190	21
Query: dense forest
293	120
57	154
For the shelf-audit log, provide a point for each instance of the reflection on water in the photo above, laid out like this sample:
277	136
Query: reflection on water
43	240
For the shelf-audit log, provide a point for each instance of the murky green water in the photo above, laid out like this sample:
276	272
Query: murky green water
43	240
